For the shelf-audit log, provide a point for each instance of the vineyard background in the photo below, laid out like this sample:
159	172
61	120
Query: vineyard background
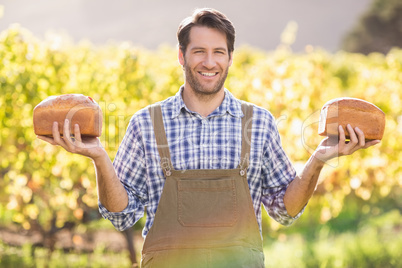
49	196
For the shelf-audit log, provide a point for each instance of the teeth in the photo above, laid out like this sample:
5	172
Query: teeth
208	74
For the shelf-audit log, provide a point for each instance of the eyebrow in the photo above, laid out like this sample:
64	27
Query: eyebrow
218	48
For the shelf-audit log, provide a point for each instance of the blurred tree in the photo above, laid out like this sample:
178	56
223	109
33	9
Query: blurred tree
44	189
378	30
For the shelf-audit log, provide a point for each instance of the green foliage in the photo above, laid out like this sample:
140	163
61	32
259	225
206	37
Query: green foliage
44	187
375	244
378	30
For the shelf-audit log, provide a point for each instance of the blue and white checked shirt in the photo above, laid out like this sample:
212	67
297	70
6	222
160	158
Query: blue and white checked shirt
195	142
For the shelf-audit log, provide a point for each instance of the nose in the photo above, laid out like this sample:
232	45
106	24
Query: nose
209	61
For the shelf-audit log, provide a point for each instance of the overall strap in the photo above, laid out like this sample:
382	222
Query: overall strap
246	128
155	112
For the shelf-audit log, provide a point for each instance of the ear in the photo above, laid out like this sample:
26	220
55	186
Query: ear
230	58
181	57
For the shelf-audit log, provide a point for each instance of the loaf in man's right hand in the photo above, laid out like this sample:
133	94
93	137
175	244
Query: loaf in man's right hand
77	108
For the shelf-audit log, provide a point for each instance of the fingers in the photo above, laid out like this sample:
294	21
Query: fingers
371	143
357	140
73	143
352	135
67	135
56	135
91	147
77	133
57	139
66	141
360	136
342	137
339	146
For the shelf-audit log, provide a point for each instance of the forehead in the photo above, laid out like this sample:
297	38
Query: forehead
202	36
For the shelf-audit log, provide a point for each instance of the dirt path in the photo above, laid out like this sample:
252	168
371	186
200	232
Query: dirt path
67	240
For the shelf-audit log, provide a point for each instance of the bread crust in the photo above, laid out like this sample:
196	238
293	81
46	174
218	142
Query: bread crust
79	109
356	112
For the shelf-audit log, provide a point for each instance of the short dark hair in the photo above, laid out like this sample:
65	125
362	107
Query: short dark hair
210	18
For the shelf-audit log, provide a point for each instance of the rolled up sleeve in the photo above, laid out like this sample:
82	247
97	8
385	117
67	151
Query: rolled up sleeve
130	168
274	205
278	173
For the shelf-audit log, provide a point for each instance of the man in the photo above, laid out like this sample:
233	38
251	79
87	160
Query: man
202	163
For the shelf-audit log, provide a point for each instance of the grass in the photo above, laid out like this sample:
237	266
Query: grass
376	243
22	257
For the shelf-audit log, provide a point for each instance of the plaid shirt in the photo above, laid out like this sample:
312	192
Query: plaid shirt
195	142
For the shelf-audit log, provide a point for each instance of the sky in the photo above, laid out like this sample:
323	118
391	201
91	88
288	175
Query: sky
258	23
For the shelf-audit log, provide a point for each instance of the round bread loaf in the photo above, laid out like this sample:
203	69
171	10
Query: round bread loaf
77	108
356	112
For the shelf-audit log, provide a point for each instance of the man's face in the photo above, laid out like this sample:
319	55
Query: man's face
206	61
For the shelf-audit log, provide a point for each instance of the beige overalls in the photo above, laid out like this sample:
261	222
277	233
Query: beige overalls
205	218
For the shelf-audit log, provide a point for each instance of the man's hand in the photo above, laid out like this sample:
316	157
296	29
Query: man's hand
332	147
302	188
87	146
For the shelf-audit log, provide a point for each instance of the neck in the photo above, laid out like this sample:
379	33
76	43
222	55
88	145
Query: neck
204	104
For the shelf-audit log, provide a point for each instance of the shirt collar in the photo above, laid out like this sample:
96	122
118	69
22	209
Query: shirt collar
229	105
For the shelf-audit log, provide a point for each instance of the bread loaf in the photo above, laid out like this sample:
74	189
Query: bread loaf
79	109
356	112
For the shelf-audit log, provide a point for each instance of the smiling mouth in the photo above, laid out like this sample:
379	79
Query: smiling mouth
207	74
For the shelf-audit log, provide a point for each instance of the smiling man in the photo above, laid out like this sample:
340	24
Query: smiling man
201	163
206	61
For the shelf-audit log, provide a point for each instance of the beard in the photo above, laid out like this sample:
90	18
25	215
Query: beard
200	90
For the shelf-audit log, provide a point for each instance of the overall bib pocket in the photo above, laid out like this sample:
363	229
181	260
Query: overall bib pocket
207	202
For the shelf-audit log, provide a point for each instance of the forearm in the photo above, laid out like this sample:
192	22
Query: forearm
111	191
302	187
